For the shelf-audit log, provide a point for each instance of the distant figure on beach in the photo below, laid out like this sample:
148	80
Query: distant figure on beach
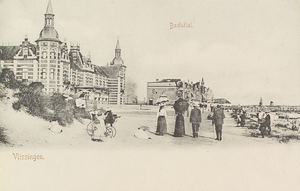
218	121
161	121
195	119
238	119
262	122
243	119
268	122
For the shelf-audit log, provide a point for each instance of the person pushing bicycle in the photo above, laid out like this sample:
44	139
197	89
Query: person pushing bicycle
99	127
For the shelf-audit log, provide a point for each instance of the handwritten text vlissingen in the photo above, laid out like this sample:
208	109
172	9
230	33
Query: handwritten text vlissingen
19	156
181	25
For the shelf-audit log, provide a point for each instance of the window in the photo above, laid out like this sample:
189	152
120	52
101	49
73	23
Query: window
44	73
44	55
52	55
52	74
25	52
25	74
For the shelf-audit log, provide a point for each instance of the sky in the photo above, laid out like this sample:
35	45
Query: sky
244	50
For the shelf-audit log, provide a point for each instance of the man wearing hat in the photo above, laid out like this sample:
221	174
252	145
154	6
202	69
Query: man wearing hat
218	120
195	119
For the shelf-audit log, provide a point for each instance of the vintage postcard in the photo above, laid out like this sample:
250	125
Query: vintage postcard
149	95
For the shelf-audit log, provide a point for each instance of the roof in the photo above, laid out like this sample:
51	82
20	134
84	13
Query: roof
49	33
221	101
49	8
75	63
167	80
8	52
118	45
100	71
85	59
112	70
117	61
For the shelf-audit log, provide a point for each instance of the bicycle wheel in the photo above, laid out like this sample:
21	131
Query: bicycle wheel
109	132
114	131
90	129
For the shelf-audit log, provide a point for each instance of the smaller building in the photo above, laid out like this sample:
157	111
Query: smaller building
166	87
174	88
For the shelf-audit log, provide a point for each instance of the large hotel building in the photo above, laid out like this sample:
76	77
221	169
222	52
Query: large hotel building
50	62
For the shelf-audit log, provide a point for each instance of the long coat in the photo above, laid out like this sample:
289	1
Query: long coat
218	116
195	116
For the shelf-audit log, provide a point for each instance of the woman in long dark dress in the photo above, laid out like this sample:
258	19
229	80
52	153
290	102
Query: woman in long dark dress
161	121
180	107
179	125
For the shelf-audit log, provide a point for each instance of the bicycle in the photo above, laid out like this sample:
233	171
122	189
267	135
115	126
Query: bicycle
110	129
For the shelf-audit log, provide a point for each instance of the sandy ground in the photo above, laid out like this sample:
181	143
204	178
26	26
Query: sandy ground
73	162
26	131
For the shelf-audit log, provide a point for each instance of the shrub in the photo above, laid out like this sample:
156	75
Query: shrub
51	108
7	78
3	137
32	99
64	110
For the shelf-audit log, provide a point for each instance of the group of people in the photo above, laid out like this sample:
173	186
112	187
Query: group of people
195	120
101	120
264	121
241	118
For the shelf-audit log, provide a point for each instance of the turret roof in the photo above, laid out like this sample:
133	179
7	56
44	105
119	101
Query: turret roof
49	8
118	45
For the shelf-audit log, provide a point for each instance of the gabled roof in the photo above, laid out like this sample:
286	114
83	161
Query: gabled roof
33	48
8	52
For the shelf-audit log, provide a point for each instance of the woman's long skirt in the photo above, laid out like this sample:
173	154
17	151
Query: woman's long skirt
161	125
100	130
179	126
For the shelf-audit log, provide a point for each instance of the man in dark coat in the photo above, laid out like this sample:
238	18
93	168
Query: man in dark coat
218	120
195	119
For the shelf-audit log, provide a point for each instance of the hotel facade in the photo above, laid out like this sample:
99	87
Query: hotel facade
64	69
